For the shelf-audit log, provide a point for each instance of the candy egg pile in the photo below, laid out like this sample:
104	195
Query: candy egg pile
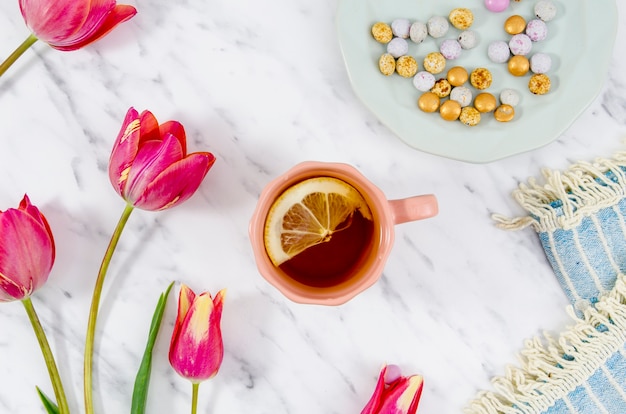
524	35
461	93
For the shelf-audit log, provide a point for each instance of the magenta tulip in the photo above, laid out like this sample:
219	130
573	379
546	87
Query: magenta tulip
196	349
149	165
26	251
72	24
394	393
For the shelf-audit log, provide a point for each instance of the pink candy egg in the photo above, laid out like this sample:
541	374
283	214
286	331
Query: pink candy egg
496	5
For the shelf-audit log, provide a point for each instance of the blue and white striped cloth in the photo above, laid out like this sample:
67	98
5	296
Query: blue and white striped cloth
579	216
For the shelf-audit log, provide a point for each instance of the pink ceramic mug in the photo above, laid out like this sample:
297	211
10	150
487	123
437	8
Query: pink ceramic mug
385	213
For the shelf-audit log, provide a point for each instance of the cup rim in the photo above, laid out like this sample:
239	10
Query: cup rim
292	289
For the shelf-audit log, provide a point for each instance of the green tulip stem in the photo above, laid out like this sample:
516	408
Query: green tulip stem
53	371
17	53
194	397
93	312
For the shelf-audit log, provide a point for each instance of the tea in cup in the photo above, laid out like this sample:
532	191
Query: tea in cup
321	233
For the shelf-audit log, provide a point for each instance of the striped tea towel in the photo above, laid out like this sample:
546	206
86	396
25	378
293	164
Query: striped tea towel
580	218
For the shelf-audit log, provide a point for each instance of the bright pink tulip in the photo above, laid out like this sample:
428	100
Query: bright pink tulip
149	165
72	24
26	251
395	394
196	349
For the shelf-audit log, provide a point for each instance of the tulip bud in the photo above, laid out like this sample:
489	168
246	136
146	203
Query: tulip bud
394	393
26	251
196	348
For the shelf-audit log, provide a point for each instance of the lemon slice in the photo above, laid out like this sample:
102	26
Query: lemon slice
307	214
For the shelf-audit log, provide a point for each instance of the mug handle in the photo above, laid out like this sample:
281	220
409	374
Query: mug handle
414	208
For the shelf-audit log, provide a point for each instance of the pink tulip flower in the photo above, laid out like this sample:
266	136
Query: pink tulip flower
72	24
394	393
149	166
26	251
196	349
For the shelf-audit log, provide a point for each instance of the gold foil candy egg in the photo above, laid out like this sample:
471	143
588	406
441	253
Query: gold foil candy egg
428	102
504	113
457	76
515	24
519	65
450	110
485	102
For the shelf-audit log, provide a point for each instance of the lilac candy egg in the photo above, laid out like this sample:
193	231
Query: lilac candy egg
520	44
450	49
498	51
496	5
397	47
400	28
424	81
540	63
537	30
461	94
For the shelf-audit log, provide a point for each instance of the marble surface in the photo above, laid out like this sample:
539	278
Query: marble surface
263	87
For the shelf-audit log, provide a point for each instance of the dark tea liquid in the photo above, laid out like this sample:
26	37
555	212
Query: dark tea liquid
332	262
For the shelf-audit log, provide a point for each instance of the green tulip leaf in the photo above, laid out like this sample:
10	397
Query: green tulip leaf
142	380
49	405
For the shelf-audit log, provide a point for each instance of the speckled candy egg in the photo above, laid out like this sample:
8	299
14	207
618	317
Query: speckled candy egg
540	63
498	51
545	10
537	30
437	26
509	97
382	32
397	47
406	66
450	49
434	62
418	32
400	28
461	18
387	64
539	84
441	88
469	116
461	94
481	78
468	39
520	44
424	81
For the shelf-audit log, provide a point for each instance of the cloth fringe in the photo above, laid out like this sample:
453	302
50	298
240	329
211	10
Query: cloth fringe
553	367
581	190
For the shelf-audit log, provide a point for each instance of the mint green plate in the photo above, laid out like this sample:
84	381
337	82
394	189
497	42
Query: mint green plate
580	41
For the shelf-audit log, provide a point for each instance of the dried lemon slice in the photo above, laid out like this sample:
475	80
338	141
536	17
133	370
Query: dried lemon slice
307	214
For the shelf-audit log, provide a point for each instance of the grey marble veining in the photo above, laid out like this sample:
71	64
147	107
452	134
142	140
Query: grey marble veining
263	87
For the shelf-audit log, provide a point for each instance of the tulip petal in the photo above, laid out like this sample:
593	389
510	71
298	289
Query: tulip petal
403	395
149	128
152	159
186	297
53	21
176	183
124	151
376	400
175	128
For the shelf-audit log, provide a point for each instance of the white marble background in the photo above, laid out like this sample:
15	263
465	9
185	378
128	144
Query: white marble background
262	86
